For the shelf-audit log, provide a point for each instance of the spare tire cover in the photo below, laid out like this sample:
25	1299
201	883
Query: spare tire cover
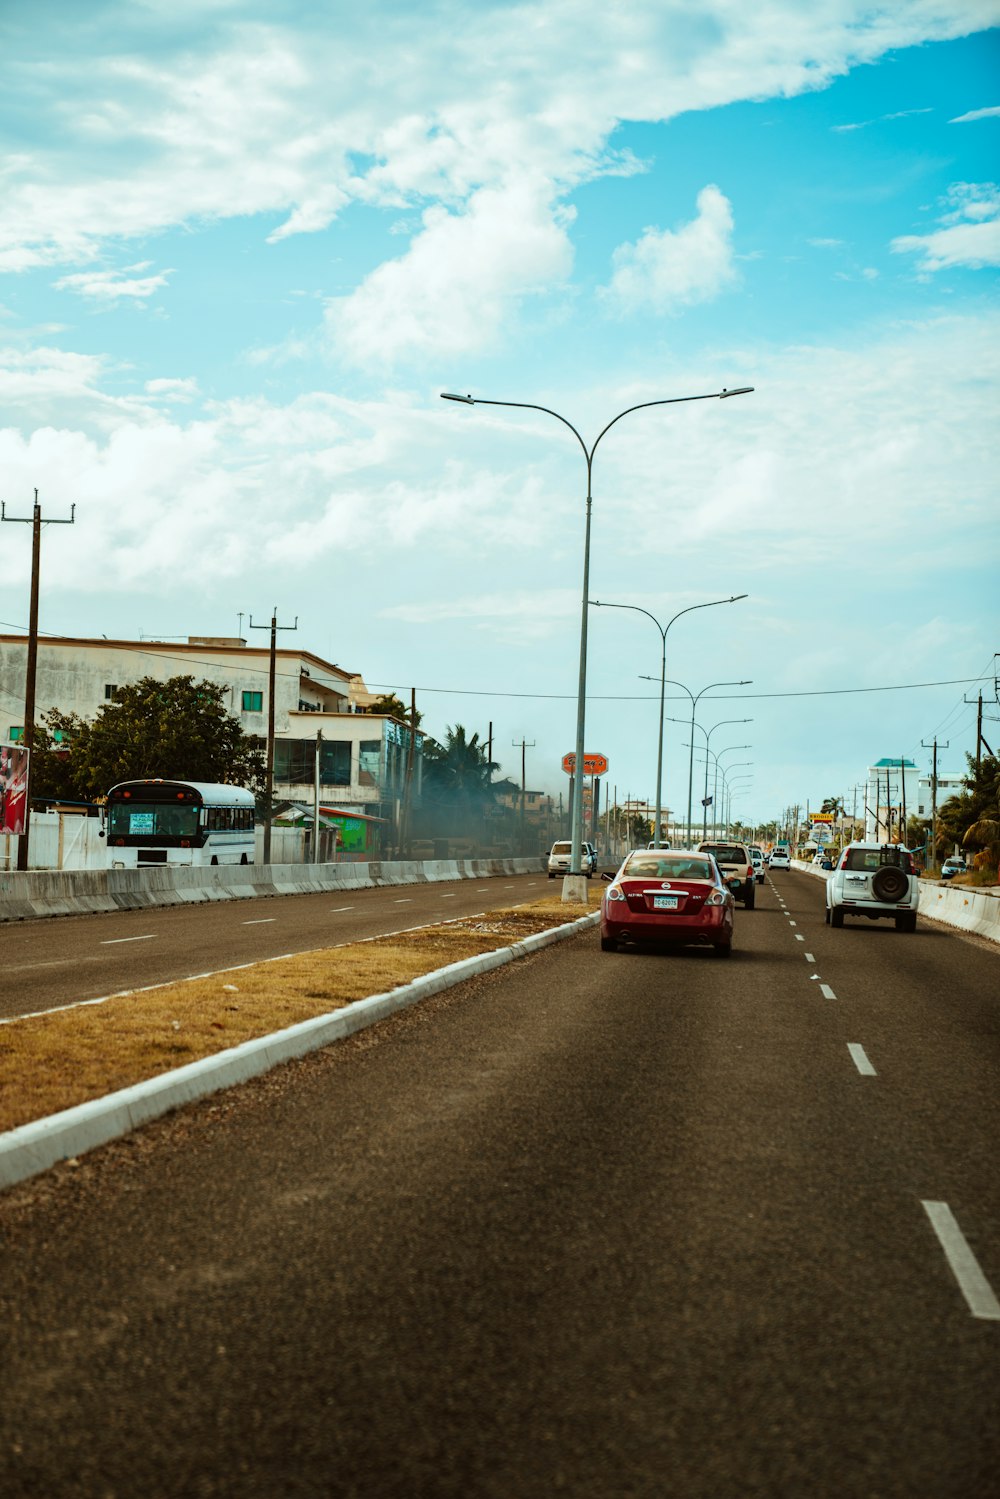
889	883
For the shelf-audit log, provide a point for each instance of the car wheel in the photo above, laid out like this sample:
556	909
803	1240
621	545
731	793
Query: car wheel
750	899
608	944
836	918
889	883
906	922
551	876
723	949
826	915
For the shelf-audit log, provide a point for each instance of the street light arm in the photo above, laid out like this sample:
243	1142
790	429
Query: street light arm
712	395
531	406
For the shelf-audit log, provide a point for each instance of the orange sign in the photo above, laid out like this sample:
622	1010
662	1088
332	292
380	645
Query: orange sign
593	765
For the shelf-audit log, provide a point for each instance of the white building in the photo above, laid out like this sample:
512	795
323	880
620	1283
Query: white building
894	787
363	757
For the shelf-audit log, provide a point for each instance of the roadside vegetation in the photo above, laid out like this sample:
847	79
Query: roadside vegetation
55	1061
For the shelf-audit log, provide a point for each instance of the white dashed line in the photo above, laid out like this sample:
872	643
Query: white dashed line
861	1061
335	910
259	921
808	956
113	941
827	992
964	1266
403	901
799	938
449	895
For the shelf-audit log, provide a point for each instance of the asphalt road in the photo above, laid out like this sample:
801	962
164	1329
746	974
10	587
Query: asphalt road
68	958
601	1225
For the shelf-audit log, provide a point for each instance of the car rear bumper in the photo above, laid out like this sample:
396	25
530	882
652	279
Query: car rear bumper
713	925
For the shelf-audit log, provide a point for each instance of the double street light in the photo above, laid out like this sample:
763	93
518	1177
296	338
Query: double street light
599	604
574	885
694	703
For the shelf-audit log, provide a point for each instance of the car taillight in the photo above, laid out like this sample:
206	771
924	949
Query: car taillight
614	892
716	899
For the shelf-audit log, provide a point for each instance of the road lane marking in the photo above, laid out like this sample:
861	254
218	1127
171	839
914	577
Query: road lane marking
405	900
861	1061
259	921
809	957
827	992
972	1282
335	910
791	922
113	941
799	938
449	896
813	977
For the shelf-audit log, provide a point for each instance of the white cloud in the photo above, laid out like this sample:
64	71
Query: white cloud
976	114
387	105
970	236
669	269
109	287
459	281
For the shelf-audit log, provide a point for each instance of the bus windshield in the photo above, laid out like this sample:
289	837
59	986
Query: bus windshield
151	820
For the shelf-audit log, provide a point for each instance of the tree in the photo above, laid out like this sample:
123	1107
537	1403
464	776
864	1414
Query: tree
178	729
969	819
393	706
458	770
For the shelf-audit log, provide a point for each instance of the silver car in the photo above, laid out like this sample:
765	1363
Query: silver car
874	880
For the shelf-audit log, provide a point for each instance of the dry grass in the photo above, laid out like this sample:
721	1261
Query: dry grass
53	1062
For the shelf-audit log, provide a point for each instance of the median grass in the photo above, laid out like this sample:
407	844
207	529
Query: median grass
54	1061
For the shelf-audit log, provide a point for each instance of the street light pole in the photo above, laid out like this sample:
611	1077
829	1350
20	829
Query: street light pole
708	734
694	704
574	885
663	678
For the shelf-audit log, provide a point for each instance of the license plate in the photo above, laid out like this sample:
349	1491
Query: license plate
664	902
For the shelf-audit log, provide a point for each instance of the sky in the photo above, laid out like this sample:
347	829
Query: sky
245	245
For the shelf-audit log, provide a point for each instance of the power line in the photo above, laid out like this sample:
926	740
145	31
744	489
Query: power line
645	698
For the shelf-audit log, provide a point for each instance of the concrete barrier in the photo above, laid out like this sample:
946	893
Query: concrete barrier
30	895
960	906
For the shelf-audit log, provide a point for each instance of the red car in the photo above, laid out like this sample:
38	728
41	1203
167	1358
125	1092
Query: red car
675	896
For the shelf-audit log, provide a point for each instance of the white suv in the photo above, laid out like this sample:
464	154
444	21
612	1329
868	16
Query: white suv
560	861
873	880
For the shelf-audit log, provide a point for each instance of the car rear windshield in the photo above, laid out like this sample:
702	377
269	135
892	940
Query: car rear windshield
867	860
726	853
647	868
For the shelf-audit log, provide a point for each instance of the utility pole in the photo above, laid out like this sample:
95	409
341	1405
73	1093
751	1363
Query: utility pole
269	782
404	821
35	522
934	784
525	745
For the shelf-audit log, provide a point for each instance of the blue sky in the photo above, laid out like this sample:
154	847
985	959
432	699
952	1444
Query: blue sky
244	246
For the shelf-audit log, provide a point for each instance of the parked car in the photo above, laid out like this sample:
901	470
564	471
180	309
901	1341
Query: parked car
874	880
780	859
654	844
757	857
737	869
953	866
661	896
560	861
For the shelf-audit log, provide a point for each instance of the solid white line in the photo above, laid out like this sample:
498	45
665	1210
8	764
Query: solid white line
861	1061
827	992
113	941
965	1267
259	921
809	957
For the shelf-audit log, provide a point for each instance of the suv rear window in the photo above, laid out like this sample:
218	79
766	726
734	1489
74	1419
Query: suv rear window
726	853
867	860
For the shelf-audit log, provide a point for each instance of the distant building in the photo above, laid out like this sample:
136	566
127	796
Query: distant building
362	757
895	786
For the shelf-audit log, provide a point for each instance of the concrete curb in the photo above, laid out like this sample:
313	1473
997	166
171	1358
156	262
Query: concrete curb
33	1148
968	910
34	894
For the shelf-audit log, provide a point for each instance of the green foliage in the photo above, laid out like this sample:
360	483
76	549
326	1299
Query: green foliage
972	819
179	729
392	705
458	771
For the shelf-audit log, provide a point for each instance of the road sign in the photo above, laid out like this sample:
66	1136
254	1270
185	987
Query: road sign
593	765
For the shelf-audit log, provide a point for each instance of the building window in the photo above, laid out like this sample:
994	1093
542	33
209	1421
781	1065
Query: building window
295	761
369	761
111	692
253	702
16	733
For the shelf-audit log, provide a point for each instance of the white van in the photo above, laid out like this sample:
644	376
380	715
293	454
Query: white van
560	861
